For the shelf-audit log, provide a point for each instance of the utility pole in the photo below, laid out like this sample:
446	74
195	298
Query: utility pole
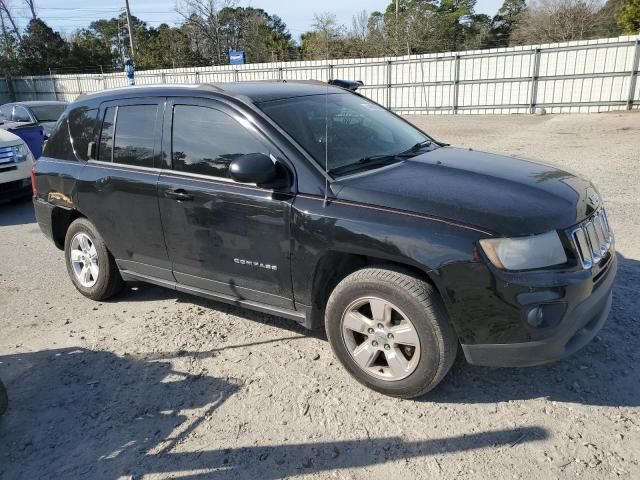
126	3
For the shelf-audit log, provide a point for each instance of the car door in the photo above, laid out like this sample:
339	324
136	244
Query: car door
222	236
118	188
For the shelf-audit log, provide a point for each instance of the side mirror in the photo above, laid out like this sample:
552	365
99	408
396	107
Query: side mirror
255	168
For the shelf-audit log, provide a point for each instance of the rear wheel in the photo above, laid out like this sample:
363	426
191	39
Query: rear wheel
91	266
390	331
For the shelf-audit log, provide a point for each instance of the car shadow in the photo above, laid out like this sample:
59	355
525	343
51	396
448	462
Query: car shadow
605	372
79	413
17	212
141	292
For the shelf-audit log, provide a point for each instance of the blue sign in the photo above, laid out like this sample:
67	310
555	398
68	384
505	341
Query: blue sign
237	57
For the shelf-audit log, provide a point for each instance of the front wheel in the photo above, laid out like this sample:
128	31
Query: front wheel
91	266
390	331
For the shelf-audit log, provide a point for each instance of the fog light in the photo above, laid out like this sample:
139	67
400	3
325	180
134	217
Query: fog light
535	317
546	315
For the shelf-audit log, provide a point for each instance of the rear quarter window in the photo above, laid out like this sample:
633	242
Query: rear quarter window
59	144
71	136
82	128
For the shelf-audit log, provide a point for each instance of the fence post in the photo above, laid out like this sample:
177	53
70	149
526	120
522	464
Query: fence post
79	85
280	74
534	81
197	76
389	84
456	83
236	74
53	85
634	76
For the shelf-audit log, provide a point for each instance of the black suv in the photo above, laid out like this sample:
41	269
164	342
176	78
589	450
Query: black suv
311	202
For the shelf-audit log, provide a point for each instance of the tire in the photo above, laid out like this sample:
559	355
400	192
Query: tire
4	400
401	298
104	279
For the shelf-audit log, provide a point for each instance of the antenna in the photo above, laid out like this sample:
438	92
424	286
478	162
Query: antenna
326	128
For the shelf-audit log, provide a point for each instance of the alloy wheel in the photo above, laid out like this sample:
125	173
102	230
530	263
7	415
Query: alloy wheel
84	260
380	338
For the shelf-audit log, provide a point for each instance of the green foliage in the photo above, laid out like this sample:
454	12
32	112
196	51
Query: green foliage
208	33
629	17
506	21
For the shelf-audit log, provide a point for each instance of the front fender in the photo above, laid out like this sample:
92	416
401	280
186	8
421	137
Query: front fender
430	245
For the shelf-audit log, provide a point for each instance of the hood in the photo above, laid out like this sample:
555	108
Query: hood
8	139
506	195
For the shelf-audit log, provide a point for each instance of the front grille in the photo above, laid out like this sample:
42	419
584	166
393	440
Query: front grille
592	239
6	155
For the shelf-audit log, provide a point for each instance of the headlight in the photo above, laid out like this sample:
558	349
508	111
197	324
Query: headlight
525	253
21	153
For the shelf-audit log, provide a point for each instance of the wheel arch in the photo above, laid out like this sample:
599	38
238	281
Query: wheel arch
61	219
334	265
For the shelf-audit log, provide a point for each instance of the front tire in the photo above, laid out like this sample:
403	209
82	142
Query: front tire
390	331
90	265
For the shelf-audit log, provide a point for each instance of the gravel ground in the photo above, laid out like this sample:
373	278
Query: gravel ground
161	385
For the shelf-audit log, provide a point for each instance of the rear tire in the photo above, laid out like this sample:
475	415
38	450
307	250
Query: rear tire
90	265
390	331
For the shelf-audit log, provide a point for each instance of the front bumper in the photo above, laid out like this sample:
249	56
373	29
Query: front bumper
15	180
15	189
579	326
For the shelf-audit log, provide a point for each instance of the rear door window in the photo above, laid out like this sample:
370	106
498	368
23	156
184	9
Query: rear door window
128	135
105	148
135	135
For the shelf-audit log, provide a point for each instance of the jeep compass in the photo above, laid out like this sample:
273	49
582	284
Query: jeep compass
311	202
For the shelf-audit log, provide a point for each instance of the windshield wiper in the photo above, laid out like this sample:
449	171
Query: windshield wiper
378	160
365	162
416	147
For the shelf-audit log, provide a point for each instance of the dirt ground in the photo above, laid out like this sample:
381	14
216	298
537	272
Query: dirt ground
162	385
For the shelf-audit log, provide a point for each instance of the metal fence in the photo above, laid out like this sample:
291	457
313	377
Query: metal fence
584	76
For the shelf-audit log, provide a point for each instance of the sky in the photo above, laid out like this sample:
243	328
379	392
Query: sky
69	15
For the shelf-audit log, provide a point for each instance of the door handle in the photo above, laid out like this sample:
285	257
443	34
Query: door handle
179	194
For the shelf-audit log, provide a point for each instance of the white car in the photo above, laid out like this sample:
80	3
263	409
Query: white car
16	162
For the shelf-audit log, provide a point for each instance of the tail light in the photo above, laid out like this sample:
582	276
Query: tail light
33	181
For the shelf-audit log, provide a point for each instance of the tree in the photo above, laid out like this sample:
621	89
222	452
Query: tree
548	21
88	50
42	49
214	28
506	21
325	40
629	17
9	43
6	13
479	32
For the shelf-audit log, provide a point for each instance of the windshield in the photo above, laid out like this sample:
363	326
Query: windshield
361	134
47	113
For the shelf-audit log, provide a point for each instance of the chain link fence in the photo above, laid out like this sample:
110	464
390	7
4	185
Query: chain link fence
584	76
